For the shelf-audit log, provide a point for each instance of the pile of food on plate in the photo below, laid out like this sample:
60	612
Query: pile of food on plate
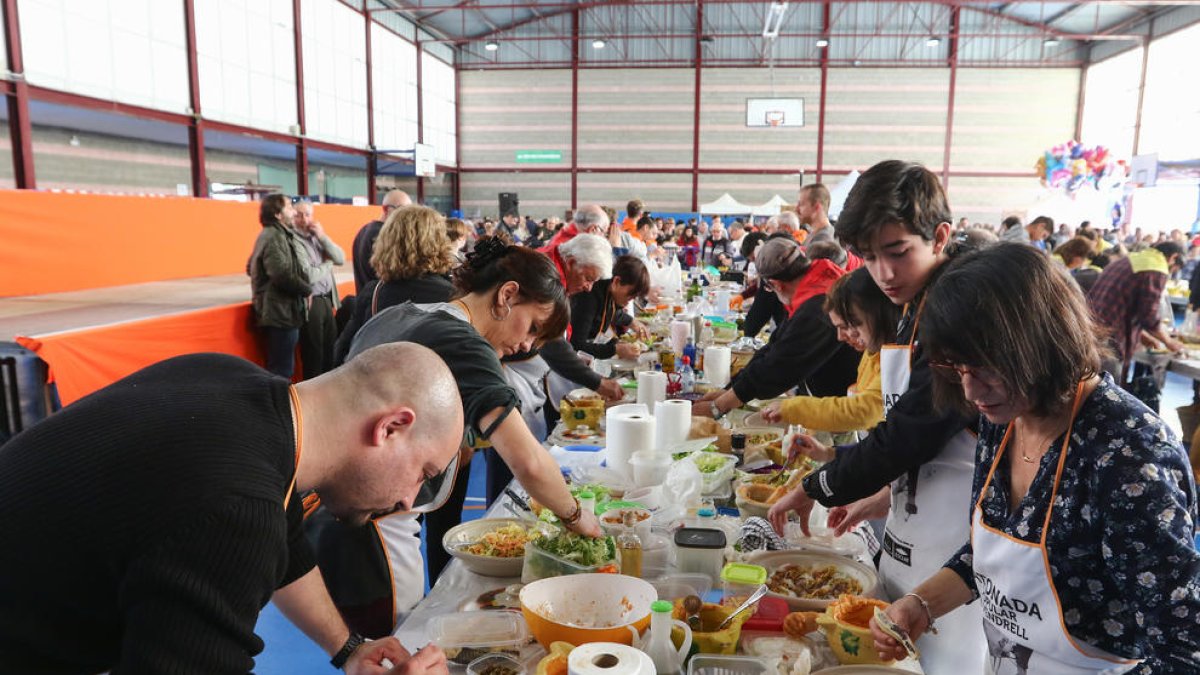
821	582
504	542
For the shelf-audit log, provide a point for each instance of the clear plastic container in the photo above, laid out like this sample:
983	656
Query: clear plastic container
739	580
541	564
700	550
717	480
466	636
649	468
496	664
675	586
713	664
612	521
658	551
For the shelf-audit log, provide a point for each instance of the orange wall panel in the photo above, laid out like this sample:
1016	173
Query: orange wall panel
52	242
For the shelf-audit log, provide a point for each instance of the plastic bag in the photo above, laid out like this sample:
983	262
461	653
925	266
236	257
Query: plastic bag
681	491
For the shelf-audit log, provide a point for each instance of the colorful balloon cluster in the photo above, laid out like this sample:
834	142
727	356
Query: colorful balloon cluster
1069	166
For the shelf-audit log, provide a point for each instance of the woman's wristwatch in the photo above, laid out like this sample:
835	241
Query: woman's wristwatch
716	410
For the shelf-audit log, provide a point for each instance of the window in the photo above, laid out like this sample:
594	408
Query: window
247	62
1110	103
1171	106
394	88
438	103
335	72
131	51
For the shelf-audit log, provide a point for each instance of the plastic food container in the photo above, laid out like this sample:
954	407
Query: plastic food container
717	481
613	522
495	664
700	550
649	468
712	664
541	564
768	618
675	586
740	580
467	636
650	497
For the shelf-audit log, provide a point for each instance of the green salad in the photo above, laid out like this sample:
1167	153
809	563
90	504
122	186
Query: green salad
708	462
579	549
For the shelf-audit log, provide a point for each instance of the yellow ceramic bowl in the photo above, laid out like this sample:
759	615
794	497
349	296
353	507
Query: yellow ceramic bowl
583	608
850	641
707	640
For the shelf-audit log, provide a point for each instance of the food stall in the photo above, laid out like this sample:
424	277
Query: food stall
690	577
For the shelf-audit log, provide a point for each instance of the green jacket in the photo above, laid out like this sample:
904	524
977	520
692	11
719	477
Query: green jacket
280	278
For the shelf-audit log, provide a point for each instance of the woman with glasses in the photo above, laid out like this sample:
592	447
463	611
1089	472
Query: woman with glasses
1083	508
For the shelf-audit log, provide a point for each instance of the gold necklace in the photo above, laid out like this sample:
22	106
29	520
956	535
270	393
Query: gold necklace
1045	441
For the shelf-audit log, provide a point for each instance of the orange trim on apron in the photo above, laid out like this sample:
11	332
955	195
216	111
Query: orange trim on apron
298	429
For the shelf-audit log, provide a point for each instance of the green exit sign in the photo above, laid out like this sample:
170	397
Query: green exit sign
539	156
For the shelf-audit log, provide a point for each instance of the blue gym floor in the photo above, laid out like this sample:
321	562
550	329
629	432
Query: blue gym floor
290	652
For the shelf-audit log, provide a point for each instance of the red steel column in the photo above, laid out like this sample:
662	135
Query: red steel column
302	143
824	89
196	127
19	126
953	63
696	107
457	140
370	112
574	109
420	119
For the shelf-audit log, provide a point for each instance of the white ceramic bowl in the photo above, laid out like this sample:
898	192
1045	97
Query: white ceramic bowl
773	560
488	566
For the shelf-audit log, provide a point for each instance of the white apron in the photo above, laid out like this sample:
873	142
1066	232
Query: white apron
528	378
925	528
1022	617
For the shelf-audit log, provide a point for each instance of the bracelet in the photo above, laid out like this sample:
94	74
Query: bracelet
928	613
352	643
716	411
575	515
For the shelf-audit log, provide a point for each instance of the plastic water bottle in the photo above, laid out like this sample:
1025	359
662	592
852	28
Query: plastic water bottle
687	379
689	351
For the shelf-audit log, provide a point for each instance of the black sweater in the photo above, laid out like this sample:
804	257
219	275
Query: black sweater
377	296
803	351
143	526
592	312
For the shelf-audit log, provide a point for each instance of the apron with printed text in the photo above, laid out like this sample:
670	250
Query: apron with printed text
925	527
1022	616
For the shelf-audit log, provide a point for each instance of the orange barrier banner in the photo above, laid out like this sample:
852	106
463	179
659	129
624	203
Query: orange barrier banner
54	242
86	360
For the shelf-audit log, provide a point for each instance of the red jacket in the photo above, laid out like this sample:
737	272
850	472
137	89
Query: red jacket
551	250
816	281
565	233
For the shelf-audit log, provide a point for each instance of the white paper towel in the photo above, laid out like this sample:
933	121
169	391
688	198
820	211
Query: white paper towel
673	421
716	365
625	409
652	388
608	658
626	434
680	332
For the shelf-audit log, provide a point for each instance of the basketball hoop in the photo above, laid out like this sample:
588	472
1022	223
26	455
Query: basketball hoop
774	118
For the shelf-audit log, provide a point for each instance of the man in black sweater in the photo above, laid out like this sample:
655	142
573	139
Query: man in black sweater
146	525
364	241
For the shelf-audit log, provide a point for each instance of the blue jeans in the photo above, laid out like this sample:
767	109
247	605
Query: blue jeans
281	350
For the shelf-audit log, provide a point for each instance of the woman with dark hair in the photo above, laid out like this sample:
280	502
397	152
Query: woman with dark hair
507	300
281	276
598	316
866	320
1083	506
689	247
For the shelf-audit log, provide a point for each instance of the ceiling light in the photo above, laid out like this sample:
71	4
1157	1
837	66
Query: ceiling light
774	19
823	42
933	41
491	45
857	63
598	44
1051	42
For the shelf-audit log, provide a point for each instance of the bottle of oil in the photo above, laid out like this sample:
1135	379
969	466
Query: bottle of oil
630	545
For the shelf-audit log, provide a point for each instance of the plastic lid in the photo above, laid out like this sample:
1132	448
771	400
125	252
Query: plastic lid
687	361
478	629
587	494
601	509
700	537
769	616
661	606
706	512
741	573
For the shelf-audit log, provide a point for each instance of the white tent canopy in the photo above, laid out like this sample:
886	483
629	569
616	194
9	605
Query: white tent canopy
725	205
771	208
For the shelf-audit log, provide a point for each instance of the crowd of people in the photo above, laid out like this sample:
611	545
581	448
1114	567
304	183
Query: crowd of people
983	371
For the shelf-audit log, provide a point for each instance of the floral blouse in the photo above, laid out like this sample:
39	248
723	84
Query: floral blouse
1121	541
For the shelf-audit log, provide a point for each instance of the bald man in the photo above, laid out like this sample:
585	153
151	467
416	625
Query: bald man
364	241
146	525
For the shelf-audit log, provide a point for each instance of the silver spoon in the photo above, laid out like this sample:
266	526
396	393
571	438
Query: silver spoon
750	601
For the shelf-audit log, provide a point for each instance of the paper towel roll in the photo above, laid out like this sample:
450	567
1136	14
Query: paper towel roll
681	330
608	658
716	365
626	409
625	435
673	421
652	388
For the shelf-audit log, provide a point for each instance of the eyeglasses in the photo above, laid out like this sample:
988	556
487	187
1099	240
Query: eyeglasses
955	372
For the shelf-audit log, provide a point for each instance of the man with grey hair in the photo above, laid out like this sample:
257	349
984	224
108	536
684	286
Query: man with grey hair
789	223
364	241
590	219
319	331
